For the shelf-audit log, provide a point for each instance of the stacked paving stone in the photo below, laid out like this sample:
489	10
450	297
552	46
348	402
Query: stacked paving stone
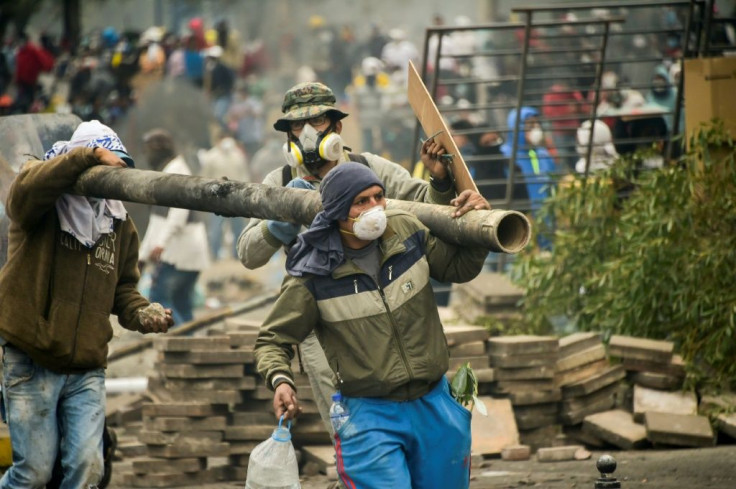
489	295
723	408
524	369
588	382
658	416
467	344
211	408
496	431
649	363
187	425
210	405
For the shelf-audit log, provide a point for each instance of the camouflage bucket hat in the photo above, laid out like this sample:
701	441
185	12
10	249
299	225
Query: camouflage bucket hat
307	100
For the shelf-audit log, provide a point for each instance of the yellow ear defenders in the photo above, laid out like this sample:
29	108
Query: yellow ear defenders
329	147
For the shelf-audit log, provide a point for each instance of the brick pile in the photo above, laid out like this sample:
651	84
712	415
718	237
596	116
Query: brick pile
524	369
210	408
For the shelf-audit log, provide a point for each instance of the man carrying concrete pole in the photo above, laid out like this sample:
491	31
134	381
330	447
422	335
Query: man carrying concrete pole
312	124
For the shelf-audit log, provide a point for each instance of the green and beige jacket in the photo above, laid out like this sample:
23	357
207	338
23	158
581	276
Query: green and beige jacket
381	339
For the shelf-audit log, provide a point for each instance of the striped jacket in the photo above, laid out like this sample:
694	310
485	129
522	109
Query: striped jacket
382	339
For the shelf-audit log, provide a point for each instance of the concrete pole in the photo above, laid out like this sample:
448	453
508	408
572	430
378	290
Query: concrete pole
496	230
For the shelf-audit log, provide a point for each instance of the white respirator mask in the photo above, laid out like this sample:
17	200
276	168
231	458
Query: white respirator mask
536	136
370	224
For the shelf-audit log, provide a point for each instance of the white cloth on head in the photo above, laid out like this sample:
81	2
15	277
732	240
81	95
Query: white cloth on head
88	218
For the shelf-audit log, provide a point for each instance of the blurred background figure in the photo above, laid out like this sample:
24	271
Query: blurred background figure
397	53
268	158
229	40
151	60
534	160
30	61
663	93
532	155
219	81
563	107
224	160
369	88
246	116
175	243
603	152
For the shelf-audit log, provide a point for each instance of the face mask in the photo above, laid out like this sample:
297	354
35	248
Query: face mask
313	149
535	136
660	87
370	224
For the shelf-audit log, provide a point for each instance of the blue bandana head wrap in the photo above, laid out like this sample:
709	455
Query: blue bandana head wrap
318	250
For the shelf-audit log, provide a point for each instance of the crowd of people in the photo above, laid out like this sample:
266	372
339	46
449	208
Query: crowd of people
359	297
634	103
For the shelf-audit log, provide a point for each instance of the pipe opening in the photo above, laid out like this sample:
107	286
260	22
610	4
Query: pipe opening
513	232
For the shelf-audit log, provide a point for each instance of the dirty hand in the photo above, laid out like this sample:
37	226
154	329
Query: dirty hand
108	158
284	402
155	319
430	155
467	201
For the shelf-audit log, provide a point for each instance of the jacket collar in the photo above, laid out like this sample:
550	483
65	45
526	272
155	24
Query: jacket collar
390	245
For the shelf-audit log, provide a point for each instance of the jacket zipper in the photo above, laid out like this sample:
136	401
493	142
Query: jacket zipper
395	331
394	327
79	315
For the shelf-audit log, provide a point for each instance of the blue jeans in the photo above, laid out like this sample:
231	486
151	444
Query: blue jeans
174	289
419	444
218	224
50	412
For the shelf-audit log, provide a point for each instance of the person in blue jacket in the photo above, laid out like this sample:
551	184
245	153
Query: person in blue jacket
532	158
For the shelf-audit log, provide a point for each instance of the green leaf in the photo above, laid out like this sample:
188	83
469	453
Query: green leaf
480	406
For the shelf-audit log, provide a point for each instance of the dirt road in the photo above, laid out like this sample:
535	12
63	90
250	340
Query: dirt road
650	469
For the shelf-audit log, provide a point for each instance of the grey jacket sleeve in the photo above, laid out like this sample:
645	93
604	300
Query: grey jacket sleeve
401	185
256	244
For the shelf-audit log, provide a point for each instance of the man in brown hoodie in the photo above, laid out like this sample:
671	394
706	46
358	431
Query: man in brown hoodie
72	261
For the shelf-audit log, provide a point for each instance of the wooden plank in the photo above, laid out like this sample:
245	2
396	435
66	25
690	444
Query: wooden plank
432	122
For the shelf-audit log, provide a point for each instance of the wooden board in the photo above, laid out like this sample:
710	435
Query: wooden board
432	123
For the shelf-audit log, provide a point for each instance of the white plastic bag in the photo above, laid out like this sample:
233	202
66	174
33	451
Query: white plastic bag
273	464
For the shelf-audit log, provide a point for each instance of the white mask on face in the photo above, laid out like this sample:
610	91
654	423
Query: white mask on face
535	136
370	224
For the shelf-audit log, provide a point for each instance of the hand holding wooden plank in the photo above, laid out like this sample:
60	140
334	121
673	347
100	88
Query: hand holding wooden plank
434	125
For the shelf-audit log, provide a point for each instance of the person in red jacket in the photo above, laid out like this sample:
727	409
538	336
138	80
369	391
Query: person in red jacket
30	61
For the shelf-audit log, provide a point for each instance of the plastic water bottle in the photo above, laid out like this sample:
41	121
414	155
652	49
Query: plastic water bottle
339	413
273	464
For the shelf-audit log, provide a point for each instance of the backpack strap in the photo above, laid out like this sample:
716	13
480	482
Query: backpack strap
358	158
285	175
